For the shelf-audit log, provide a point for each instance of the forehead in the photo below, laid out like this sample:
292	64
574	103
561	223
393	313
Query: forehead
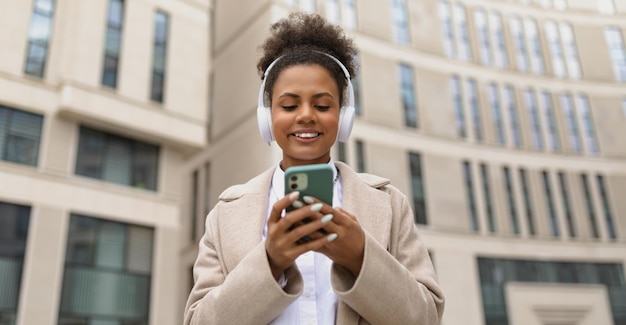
305	76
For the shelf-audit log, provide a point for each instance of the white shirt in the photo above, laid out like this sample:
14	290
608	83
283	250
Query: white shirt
318	302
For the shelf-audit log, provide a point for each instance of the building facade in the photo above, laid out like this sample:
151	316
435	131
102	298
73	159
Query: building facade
504	122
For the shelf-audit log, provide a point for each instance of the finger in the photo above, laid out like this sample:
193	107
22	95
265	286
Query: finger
280	205
317	244
312	230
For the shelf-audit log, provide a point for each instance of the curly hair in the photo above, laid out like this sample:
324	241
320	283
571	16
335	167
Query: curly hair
298	39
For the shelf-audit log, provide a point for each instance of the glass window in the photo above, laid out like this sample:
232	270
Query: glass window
553	133
567	206
484	174
482	28
533	117
606	206
511	200
510	103
39	38
496	113
113	43
407	90
341	152
360	156
14	220
624	107
535	48
457	100
556	51
560	4
553	222
116	159
570	118
528	206
501	54
471	199
161	27
400	19
113	259
417	188
349	15
20	136
449	47
195	189
308	6
571	52
356	88
589	132
472	93
332	11
462	31
617	52
590	206
606	7
519	41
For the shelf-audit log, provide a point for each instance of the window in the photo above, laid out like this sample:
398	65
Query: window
484	174
360	156
341	152
511	200
570	119
39	37
554	225
449	47
606	7
482	27
113	41
567	207
195	189
571	52
496	114
14	220
20	135
472	93
400	19
553	132
471	199
349	14
624	107
501	55
535	48
615	43
528	206
556	52
457	100
332	11
407	89
417	188
207	188
519	42
116	159
356	88
462	28
533	117
589	132
161	26
113	259
590	206
606	206
308	6
511	105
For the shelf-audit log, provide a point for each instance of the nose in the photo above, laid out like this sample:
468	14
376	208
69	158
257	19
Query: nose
306	113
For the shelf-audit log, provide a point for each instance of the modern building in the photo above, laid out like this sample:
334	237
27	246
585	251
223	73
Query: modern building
503	121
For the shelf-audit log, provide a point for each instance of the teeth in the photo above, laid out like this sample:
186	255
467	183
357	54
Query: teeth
306	135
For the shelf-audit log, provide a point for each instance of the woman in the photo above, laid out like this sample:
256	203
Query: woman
367	266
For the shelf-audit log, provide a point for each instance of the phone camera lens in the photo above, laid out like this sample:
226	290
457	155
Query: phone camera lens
294	178
294	186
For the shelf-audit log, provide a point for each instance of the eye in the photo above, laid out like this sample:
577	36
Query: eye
289	108
322	108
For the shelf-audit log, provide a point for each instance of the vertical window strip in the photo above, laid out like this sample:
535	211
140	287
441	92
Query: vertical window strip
161	30
195	186
407	89
567	207
360	156
482	27
617	51
332	11
606	7
349	15
457	99
356	88
570	118
207	188
533	114
496	112
511	200
445	15
400	21
308	6
462	30
484	173
472	90
519	41
606	206
554	224
534	45
20	136
570	50
553	132
471	197
589	132
417	187
528	206
39	38
113	42
511	104
501	54
556	51
341	152
590	206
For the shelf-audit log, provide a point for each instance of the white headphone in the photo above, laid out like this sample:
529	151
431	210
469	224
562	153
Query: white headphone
346	113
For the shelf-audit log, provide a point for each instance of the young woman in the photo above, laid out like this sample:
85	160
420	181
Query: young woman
368	266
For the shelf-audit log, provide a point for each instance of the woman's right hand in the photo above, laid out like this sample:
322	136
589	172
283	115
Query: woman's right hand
282	244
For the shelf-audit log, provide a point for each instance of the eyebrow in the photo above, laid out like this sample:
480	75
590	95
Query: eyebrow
318	95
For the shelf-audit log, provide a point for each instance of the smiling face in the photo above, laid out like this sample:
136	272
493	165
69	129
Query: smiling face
305	114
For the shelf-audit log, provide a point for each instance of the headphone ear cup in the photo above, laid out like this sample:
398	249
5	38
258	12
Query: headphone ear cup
346	120
264	122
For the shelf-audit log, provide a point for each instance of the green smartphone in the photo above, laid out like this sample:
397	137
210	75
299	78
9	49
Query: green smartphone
310	180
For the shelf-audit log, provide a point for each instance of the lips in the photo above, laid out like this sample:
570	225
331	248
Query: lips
306	134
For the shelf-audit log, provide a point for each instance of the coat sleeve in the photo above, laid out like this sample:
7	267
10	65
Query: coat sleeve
395	286
248	294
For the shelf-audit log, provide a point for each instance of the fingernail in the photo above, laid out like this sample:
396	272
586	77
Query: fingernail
327	218
297	204
331	237
294	195
316	207
308	199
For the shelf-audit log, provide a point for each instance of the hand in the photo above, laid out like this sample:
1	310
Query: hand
283	245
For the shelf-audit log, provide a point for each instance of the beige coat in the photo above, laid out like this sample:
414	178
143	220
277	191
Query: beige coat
234	284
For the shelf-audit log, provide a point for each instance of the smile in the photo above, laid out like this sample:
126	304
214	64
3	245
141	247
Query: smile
306	135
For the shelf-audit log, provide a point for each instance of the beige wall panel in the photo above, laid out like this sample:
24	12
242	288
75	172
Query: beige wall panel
374	19
591	45
165	307
584	5
446	204
620	6
234	18
435	113
14	25
425	23
539	203
578	203
616	187
610	125
389	162
380	92
56	154
170	168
